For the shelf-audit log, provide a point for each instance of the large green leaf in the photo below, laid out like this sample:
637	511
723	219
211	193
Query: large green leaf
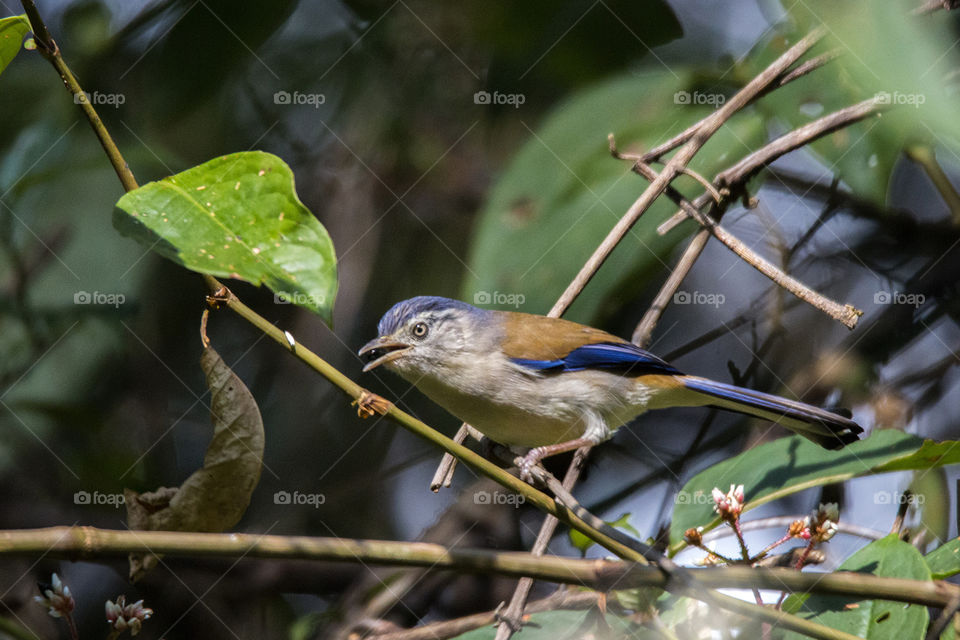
237	216
945	560
563	192
875	619
12	31
790	465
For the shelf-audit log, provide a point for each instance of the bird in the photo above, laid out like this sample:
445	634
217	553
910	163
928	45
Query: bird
551	385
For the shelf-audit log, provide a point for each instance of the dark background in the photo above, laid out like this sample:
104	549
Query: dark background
399	163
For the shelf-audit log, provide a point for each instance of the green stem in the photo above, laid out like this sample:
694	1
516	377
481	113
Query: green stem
48	49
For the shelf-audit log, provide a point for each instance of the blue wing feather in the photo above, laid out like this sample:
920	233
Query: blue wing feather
625	357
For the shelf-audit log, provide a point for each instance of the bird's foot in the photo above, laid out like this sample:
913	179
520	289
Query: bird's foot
370	404
529	461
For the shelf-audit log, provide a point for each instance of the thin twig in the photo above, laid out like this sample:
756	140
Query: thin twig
783	78
511	616
902	512
810	65
644	331
736	177
936	5
561	599
443	476
940	624
847	314
776	522
738	174
733	180
708	126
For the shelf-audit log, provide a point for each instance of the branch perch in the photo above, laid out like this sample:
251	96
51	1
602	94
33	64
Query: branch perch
89	543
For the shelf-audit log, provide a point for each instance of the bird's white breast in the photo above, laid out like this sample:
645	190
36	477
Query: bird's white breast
515	406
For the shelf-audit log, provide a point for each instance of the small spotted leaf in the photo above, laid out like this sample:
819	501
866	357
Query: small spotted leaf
237	216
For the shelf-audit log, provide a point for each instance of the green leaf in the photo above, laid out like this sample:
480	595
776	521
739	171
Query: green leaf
215	497
789	465
945	560
875	619
563	192
12	31
237	216
929	455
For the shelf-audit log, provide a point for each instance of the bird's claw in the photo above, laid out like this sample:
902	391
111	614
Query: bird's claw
370	404
528	463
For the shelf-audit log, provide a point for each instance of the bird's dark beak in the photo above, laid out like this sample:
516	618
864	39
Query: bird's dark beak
382	350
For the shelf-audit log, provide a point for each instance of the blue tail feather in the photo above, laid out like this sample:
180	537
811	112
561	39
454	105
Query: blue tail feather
829	429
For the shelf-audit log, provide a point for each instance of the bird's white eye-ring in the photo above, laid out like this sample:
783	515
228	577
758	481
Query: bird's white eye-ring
420	330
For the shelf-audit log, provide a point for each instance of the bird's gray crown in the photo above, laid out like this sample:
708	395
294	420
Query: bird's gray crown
401	313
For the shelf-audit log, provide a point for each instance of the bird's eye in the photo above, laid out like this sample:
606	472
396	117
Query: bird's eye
420	330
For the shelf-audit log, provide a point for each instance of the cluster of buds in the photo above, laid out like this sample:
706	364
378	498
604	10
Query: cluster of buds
729	505
56	598
819	526
123	616
693	536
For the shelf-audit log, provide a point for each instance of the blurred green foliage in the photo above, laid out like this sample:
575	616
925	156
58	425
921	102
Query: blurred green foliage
563	192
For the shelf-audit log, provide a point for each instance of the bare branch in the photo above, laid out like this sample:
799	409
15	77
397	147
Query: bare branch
708	126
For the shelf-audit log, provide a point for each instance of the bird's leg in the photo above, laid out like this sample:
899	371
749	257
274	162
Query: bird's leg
535	455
